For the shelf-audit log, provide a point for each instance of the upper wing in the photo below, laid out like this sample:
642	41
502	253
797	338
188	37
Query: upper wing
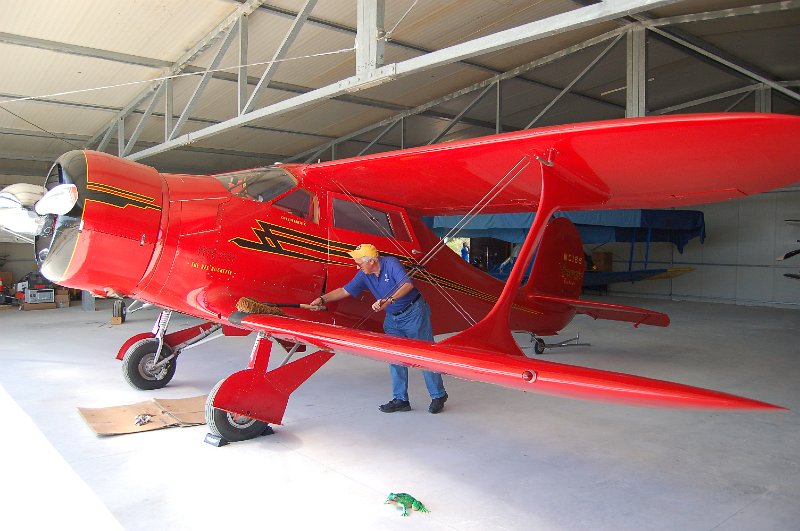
491	366
651	162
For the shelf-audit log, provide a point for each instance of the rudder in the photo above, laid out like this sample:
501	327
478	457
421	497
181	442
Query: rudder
559	262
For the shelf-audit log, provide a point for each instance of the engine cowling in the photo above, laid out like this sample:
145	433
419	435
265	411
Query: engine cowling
106	242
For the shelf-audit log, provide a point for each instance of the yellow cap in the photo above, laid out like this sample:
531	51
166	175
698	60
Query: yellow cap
364	250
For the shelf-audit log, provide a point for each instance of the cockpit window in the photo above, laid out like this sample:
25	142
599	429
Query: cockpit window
260	184
297	203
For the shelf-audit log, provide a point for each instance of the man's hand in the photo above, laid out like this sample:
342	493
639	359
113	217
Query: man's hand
317	302
379	304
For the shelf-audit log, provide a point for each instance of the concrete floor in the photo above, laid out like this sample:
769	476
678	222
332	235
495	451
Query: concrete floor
494	459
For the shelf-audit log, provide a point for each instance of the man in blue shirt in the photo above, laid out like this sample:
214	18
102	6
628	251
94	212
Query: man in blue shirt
407	315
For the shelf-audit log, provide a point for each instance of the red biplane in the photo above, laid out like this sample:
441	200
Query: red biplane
197	244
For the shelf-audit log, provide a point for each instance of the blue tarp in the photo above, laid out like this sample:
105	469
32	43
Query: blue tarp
595	226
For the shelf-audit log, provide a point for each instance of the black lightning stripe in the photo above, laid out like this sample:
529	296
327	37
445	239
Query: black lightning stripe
276	239
110	195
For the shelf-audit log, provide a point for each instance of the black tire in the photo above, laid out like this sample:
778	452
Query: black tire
230	426
137	365
538	346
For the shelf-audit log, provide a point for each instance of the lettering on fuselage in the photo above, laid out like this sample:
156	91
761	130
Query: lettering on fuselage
287	219
213	269
210	254
570	275
214	260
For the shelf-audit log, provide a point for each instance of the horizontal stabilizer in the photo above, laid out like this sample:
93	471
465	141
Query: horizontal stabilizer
611	312
505	369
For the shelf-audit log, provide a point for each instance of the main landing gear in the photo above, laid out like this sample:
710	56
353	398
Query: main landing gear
149	360
242	406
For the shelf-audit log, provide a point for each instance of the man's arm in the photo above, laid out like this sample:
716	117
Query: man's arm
380	304
332	296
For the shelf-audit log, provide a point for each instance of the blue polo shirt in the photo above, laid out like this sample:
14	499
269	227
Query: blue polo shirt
391	276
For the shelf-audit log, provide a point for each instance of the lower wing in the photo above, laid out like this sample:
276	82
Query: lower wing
505	369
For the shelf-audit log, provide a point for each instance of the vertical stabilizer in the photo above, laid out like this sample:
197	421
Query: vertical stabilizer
559	263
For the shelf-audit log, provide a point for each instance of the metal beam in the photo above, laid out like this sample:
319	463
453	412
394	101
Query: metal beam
455	120
547	27
146	116
636	72
540	29
369	44
83	51
572	83
246	8
425	107
280	53
203	83
724	13
728	63
241	72
82	139
340	28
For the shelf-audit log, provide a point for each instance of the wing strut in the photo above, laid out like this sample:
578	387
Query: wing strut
560	190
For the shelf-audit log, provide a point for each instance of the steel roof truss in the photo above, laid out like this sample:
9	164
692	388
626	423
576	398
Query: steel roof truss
280	53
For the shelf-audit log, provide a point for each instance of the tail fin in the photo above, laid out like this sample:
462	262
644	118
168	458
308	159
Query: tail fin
557	279
559	264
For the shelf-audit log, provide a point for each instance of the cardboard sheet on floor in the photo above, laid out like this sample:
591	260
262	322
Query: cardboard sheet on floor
163	413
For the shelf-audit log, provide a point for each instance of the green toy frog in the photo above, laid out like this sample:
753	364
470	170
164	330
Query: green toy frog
407	501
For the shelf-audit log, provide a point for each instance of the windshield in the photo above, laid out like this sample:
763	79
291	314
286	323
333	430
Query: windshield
261	184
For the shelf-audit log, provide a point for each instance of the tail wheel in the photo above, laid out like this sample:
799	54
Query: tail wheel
119	310
538	346
138	365
231	426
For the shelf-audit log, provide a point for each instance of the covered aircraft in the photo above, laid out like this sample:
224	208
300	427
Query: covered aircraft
199	244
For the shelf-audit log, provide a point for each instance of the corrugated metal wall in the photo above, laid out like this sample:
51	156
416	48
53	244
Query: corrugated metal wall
736	264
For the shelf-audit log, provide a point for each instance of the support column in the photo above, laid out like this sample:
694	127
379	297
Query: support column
241	85
636	103
763	99
498	108
369	37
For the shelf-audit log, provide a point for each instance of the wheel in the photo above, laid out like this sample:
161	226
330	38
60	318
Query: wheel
137	365
230	426
538	346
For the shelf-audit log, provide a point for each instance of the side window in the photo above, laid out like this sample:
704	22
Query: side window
369	220
297	203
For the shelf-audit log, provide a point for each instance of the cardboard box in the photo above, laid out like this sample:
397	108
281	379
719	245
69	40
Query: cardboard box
62	298
38	306
603	261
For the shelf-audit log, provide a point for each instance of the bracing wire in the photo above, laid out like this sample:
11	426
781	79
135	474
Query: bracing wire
400	250
507	179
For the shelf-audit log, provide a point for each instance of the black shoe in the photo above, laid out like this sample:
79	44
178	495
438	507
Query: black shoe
437	404
395	405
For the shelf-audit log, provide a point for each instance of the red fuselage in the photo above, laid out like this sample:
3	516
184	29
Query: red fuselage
196	244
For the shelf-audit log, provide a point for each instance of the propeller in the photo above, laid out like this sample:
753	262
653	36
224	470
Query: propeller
60	200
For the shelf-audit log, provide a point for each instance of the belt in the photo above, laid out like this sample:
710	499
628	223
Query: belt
408	306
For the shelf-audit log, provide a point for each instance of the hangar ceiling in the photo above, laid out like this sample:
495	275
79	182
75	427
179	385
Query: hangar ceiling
215	85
